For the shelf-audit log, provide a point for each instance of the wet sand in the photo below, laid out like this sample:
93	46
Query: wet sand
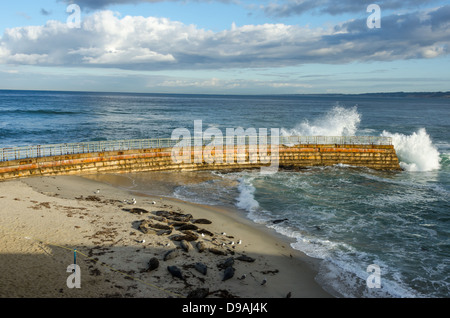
44	219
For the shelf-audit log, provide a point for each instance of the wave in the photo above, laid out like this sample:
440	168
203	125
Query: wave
339	121
246	199
416	152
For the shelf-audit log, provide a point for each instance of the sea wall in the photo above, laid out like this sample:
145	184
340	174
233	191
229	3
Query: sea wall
379	157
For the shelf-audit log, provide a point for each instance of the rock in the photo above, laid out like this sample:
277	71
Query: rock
245	258
175	272
153	264
201	268
228	273
171	254
202	221
199	293
185	245
201	246
217	251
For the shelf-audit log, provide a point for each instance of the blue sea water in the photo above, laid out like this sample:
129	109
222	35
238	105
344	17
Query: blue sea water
348	217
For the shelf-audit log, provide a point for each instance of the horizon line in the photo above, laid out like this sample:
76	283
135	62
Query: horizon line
233	94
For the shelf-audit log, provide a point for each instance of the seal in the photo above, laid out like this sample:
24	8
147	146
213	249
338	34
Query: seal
201	268
199	293
153	264
171	254
201	246
175	272
228	273
185	245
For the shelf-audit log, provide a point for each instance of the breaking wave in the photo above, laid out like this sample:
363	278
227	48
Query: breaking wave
416	152
339	121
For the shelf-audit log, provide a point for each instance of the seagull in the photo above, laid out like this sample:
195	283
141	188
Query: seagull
223	233
239	242
143	241
242	277
232	243
153	202
203	235
264	282
98	191
168	244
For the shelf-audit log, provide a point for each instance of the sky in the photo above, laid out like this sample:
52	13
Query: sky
225	46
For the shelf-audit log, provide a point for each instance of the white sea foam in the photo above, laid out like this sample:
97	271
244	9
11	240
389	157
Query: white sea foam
339	121
416	152
246	199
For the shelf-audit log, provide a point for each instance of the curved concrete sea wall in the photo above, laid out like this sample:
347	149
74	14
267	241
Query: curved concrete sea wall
379	157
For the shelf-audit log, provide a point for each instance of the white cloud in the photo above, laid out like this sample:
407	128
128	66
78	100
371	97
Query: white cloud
108	40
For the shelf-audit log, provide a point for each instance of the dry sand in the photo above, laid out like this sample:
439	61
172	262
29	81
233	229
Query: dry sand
43	219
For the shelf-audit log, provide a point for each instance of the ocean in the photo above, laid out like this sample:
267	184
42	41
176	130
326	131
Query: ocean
378	234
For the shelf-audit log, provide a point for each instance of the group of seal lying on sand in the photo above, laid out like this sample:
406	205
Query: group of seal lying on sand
186	233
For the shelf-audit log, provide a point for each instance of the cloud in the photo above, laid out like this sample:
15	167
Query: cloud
298	7
108	40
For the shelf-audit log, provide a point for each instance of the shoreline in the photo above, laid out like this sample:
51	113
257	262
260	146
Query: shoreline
66	212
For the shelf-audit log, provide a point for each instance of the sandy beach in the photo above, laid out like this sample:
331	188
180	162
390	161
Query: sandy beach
43	220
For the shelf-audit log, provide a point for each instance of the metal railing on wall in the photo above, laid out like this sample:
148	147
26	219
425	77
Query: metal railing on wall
38	151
